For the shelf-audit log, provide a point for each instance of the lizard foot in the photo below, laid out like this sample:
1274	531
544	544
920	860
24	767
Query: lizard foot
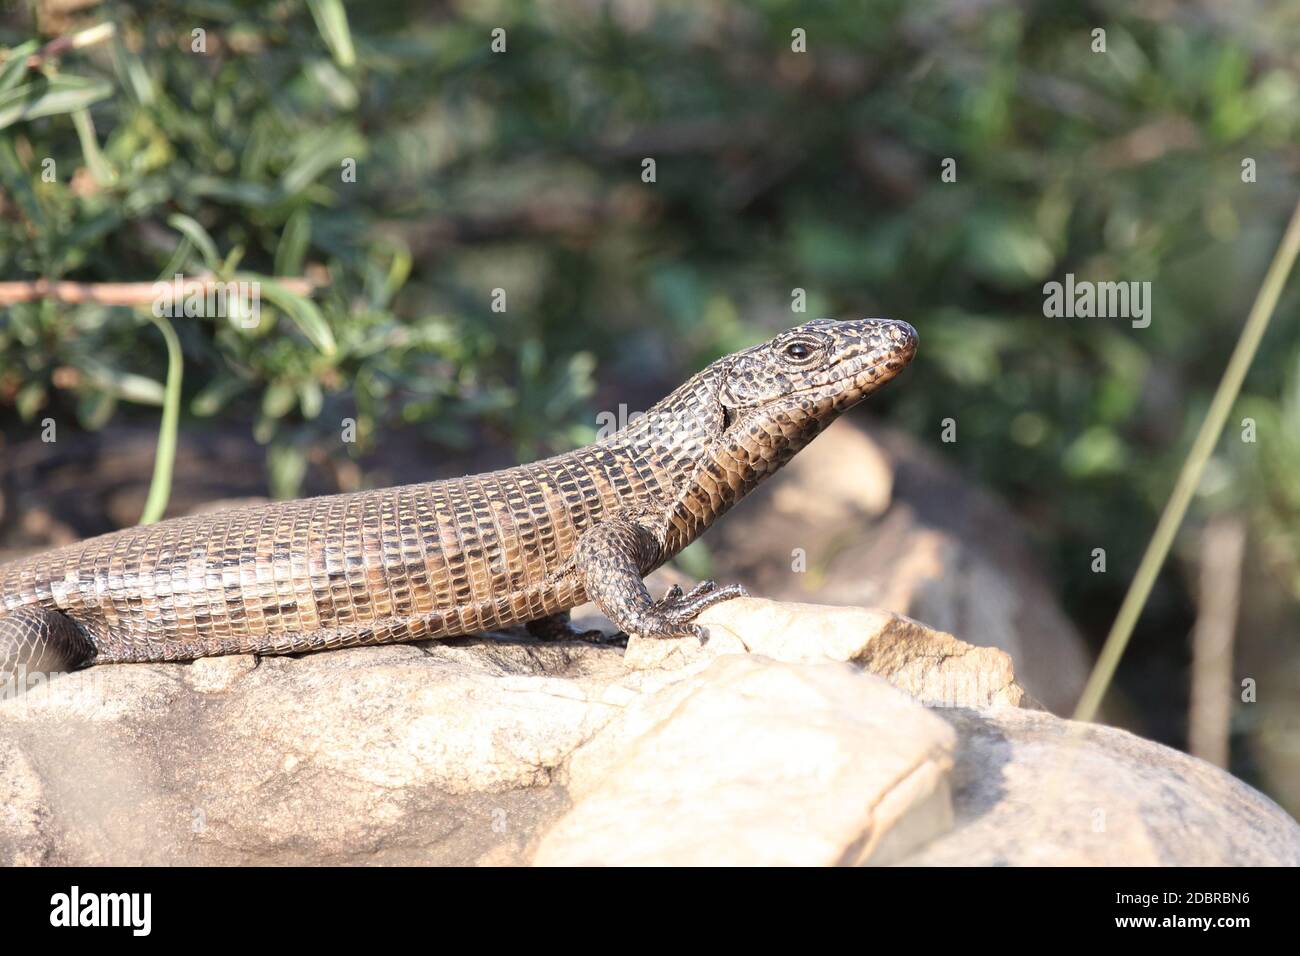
672	616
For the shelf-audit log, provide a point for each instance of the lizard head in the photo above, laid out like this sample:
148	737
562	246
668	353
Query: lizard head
819	368
747	414
757	408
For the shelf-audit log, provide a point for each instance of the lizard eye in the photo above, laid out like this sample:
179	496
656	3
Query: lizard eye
798	350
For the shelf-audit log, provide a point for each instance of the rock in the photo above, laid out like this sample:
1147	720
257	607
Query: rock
854	477
22	805
931	666
212	675
780	740
870	517
1032	790
458	751
785	764
434	753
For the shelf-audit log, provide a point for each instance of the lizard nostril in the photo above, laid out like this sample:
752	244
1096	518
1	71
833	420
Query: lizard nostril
906	334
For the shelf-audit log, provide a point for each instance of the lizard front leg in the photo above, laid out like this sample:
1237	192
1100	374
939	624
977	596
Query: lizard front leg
613	555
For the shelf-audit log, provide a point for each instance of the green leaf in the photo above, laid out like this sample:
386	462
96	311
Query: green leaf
95	161
287	465
278	400
398	271
131	72
15	68
332	22
127	386
179	257
301	310
214	396
94	409
263	429
51	97
317	152
14	177
310	398
30	399
232	261
1098	451
292	248
1008	252
233	191
336	85
191	230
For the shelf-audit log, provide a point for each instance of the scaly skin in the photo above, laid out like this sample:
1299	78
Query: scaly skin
454	557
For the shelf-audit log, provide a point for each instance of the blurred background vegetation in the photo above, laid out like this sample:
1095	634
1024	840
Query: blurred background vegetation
776	171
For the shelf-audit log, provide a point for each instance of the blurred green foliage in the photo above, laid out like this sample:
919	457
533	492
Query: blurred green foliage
776	170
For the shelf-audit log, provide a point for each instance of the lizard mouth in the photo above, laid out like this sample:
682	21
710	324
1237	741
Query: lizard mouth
844	390
862	379
860	371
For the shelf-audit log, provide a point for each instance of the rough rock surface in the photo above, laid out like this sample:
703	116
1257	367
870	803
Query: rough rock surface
809	764
1033	789
780	741
440	752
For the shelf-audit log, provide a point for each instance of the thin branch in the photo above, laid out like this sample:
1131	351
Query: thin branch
73	41
126	293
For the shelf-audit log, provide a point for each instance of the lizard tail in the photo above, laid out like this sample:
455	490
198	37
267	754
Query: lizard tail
36	640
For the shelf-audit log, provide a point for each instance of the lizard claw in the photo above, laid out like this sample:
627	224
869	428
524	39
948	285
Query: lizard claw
674	614
675	598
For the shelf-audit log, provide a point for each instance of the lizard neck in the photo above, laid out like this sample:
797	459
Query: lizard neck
708	457
751	449
673	438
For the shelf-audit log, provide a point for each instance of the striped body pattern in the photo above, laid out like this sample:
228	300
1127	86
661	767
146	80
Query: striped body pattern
459	556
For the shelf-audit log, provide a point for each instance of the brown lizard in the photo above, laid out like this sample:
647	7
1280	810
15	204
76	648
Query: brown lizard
460	556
